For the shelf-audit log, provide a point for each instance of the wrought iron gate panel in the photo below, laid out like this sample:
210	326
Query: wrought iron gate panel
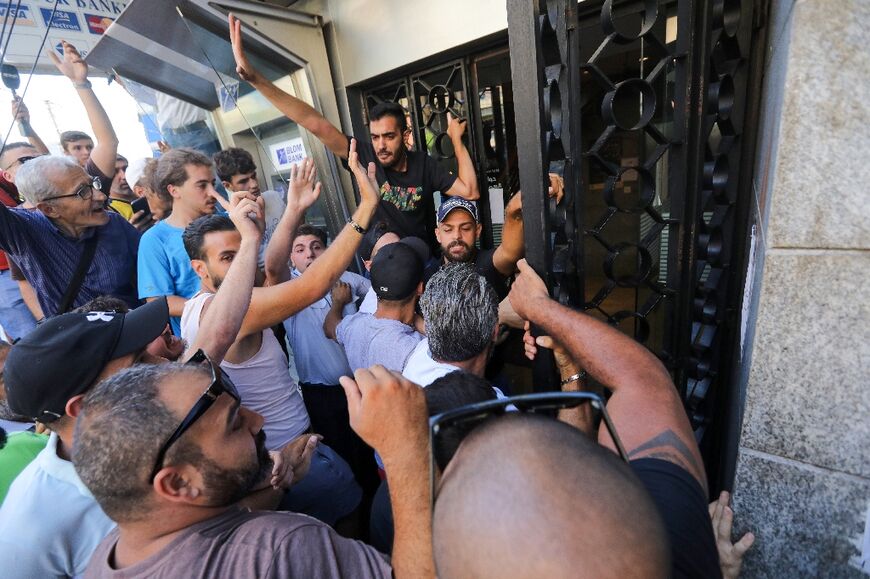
640	103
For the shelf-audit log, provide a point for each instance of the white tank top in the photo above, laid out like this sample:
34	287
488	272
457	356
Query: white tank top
263	381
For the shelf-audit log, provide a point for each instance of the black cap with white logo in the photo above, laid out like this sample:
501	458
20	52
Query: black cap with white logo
63	356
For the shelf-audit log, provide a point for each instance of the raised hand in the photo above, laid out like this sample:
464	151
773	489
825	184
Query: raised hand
19	111
528	288
244	69
73	66
248	217
388	412
290	464
341	293
365	178
455	126
303	192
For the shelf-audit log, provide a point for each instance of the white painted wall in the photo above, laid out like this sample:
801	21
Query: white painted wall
376	36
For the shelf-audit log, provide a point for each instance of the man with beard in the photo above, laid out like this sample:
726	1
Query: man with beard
407	179
168	451
224	256
164	266
70	230
457	232
46	376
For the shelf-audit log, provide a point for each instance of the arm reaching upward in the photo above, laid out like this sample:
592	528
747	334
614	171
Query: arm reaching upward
645	407
302	194
272	305
293	108
74	67
222	316
22	117
512	248
466	182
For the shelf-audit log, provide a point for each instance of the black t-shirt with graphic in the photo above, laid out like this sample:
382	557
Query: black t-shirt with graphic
407	203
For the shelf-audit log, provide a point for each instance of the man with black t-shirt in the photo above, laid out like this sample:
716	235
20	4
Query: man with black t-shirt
457	233
407	179
649	418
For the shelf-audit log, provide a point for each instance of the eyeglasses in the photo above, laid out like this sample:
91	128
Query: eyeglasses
20	161
84	191
474	414
220	384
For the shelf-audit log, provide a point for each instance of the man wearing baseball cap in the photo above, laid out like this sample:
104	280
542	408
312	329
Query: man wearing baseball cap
49	522
457	233
387	336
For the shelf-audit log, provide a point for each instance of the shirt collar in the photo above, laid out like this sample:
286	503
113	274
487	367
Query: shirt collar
59	468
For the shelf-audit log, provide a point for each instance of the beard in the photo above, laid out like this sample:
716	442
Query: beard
228	486
464	257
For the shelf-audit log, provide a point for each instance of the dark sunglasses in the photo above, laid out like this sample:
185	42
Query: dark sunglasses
84	191
544	402
220	384
21	161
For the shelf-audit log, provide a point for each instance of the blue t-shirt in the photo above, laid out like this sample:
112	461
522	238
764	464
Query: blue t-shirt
164	267
368	340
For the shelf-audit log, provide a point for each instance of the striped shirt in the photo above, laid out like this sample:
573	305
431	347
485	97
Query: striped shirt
49	258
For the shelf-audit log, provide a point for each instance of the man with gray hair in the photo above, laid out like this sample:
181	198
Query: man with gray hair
70	249
460	310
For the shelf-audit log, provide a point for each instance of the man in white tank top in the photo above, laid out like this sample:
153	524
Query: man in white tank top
251	355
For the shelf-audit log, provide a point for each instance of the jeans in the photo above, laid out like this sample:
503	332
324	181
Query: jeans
195	136
15	318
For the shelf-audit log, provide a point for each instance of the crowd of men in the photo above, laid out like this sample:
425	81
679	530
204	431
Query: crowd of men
198	386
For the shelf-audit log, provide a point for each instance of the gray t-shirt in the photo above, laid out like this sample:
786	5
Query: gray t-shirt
368	340
239	543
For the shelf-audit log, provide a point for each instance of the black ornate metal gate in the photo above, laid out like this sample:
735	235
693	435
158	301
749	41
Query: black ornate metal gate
642	106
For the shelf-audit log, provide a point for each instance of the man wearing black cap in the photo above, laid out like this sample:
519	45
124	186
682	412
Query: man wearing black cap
387	336
49	523
457	233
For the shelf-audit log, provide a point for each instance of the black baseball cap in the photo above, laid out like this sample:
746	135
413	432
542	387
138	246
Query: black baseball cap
63	356
398	268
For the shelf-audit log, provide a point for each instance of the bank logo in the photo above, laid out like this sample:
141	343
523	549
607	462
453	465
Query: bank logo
62	20
24	15
98	24
58	48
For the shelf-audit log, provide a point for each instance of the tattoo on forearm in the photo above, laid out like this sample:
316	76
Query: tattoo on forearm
668	446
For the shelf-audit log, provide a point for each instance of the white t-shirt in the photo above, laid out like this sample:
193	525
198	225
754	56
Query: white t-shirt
173	113
50	523
262	381
422	369
369	303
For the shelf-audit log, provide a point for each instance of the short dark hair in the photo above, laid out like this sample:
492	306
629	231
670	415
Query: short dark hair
172	167
194	234
389	109
454	390
68	137
122	424
120	157
231	162
16	145
103	304
308	229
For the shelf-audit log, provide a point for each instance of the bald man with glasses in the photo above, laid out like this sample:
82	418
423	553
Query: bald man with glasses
71	249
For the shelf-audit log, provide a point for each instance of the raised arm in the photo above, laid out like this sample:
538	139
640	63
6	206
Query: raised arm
389	413
22	117
74	67
512	248
465	185
341	296
301	195
272	305
223	314
645	407
293	108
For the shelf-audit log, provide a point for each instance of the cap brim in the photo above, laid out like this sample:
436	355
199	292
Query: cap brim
141	327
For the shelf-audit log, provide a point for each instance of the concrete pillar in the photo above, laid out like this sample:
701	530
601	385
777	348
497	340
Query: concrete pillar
803	473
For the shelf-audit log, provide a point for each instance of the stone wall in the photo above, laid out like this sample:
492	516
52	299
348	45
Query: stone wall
803	472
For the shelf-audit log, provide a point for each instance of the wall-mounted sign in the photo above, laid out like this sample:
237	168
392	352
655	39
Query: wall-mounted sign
287	153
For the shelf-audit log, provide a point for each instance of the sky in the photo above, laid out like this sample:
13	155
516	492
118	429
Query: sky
56	93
